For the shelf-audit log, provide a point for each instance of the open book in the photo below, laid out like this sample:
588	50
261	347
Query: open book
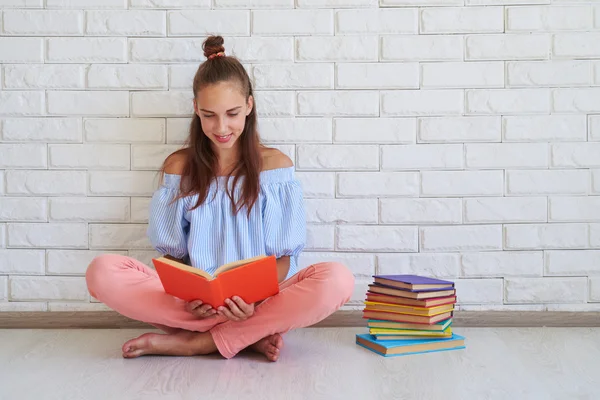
253	279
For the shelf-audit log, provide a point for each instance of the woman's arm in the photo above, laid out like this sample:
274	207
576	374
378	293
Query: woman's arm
283	267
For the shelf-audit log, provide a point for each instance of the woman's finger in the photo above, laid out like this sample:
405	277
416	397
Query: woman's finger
243	306
224	311
235	310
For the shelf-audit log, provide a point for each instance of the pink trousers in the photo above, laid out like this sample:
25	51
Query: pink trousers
134	290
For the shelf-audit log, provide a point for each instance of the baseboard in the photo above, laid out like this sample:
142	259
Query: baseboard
112	320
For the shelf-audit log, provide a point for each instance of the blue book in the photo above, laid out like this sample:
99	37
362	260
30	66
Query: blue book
391	348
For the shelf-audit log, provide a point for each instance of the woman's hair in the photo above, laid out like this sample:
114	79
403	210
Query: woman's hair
201	162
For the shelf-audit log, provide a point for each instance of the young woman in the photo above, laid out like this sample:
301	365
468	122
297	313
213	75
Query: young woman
222	198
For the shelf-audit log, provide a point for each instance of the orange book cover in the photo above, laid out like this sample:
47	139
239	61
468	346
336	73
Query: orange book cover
253	279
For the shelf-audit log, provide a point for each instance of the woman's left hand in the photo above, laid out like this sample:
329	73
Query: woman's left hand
236	309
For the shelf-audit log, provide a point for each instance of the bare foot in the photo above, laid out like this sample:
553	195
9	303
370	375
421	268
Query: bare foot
269	346
182	343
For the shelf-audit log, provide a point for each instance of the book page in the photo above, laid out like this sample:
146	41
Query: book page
187	268
236	264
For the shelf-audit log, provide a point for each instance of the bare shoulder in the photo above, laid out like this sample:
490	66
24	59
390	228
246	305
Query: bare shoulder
275	159
175	163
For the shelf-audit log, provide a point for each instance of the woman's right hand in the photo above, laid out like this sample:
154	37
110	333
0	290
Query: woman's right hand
200	310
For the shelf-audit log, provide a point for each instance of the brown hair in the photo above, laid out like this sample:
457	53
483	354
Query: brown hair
201	162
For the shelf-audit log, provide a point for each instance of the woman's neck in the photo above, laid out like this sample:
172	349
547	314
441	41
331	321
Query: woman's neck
227	159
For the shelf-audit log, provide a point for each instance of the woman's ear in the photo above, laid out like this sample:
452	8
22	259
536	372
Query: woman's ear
196	108
250	105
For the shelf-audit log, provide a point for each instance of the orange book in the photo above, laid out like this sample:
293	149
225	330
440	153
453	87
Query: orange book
417	319
253	279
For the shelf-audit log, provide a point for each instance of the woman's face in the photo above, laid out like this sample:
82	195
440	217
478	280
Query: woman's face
222	109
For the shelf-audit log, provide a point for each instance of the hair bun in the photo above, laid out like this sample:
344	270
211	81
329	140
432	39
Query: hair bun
213	45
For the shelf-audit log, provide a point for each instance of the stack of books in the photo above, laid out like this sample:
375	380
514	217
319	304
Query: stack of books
409	314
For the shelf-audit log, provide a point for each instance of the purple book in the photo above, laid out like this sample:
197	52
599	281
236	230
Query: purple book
413	282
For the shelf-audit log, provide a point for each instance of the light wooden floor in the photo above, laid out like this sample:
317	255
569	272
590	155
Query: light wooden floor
316	363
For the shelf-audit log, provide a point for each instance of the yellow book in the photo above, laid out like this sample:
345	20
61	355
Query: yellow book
409	332
398	309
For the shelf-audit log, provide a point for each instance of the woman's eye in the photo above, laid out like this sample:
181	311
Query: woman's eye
208	116
233	115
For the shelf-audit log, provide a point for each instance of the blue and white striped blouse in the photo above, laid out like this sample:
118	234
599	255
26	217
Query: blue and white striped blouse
210	235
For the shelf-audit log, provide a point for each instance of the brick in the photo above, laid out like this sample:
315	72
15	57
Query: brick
182	76
3	288
377	21
76	307
461	238
548	19
1	186
178	130
46	183
47	130
576	100
380	184
21	50
337	3
547	128
575	155
337	48
253	4
119	236
572	262
148	50
89	156
23	209
170	4
23	156
546	236
274	103
42	22
421	48
594	288
86	50
498	264
86	3
462	183
459	129
96	103
161	104
317	184
544	73
506	155
89	209
576	45
123	183
435	265
422	102
343	157
421	211
340	103
462	20
151	156
545	290
504	2
377	76
574	209
144	256
139	209
587	307
72	262
375	130
422	156
506	209
21	103
508	101
596	67
292	22
507	47
360	211
377	238
293	76
295	130
594	126
320	237
124	130
130	76
478	291
462	75
2	235
361	265
262	49
595	235
392	3
287	149
47	235
547	182
125	23
197	23
22	3
23	306
48	288
44	76
22	262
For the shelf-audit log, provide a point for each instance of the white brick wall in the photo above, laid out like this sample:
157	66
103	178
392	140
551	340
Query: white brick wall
451	138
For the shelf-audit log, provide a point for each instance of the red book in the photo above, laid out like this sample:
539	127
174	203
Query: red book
253	279
417	319
437	301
